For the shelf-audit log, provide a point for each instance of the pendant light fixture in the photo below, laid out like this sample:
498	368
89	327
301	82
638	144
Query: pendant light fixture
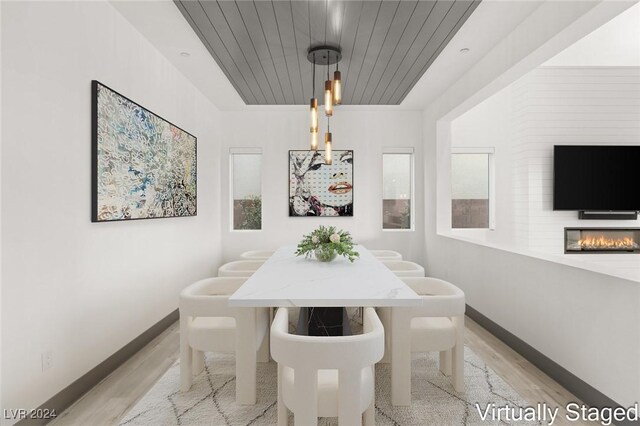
327	144
328	95
325	55
337	86
314	112
314	140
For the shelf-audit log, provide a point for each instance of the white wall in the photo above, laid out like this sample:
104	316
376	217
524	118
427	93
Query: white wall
78	289
614	44
587	322
366	132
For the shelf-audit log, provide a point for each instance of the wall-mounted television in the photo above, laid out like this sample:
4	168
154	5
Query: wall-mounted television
596	177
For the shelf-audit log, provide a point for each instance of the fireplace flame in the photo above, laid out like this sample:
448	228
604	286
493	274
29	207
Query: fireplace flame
601	242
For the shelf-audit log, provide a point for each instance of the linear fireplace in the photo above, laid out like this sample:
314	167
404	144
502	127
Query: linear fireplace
602	240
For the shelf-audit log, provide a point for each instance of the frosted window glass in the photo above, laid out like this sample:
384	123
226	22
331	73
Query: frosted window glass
247	191
470	190
396	191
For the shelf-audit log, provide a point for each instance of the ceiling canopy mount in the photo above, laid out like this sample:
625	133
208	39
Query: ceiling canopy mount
324	55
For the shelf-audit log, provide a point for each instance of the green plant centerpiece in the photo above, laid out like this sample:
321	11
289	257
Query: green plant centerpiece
326	243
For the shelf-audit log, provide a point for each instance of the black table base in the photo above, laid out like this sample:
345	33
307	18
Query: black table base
319	321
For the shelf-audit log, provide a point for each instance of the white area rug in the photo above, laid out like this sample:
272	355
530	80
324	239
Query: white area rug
211	400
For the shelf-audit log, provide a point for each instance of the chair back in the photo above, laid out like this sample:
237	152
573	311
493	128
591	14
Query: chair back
386	254
257	254
210	297
332	352
439	298
404	268
240	268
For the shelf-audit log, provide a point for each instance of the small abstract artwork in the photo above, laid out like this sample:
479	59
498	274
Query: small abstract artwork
318	189
143	167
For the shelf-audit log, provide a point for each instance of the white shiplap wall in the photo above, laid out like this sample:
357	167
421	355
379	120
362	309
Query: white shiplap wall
571	106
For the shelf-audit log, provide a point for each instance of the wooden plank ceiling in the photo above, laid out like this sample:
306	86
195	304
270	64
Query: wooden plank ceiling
386	45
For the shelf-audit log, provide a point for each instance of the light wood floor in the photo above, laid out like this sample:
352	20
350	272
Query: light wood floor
108	402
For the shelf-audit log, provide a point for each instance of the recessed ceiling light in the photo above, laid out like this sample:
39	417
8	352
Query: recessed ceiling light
464	50
185	54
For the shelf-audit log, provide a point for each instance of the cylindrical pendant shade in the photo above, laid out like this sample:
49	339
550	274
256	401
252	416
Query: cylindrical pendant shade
328	99
327	148
314	141
314	115
337	88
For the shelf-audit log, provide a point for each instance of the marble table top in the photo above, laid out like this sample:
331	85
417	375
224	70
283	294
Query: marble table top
289	281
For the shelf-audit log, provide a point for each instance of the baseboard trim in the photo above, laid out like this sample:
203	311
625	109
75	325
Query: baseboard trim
584	391
66	397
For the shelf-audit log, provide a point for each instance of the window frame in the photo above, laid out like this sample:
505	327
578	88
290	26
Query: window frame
412	181
243	151
490	151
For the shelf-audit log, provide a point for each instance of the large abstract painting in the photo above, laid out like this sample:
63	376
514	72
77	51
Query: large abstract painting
318	189
143	166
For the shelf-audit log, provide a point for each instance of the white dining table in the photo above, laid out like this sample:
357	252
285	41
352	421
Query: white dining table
286	280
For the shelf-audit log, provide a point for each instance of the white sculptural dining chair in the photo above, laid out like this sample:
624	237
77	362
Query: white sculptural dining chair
436	326
257	254
386	254
404	268
240	268
208	324
327	376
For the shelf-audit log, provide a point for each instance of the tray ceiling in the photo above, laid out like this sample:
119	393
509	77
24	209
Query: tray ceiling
386	45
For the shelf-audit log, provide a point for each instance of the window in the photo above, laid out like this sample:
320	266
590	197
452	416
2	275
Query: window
472	188
246	188
397	191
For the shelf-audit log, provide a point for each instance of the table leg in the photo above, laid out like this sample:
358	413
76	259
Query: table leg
400	358
246	358
302	328
264	319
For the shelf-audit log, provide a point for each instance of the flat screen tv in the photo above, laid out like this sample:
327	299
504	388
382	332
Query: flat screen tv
596	177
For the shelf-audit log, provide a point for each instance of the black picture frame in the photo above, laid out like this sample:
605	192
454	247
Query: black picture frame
95	87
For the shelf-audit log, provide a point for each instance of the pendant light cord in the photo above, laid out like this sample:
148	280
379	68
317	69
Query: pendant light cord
328	78
313	82
328	62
